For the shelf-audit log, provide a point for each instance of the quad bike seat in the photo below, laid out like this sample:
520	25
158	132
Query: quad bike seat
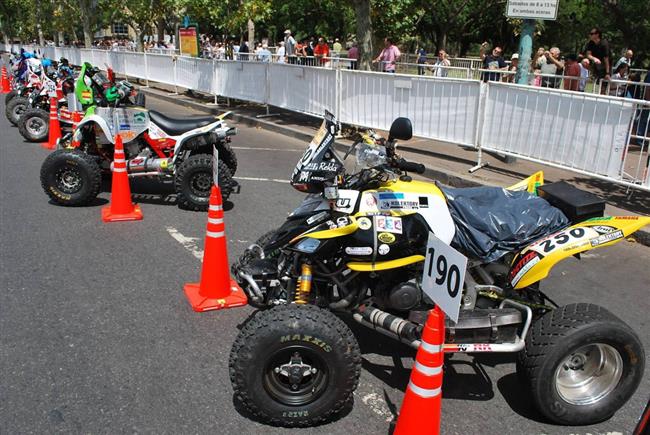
175	126
491	221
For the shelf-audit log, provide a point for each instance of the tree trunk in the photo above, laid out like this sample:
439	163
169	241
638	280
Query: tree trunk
251	34
364	33
61	38
160	29
441	40
88	35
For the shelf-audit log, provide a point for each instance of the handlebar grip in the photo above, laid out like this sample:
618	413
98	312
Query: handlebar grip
404	165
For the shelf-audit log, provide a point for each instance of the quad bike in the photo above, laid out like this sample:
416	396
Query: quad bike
31	80
178	150
356	249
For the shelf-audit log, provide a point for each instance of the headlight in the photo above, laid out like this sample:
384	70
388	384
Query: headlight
307	245
369	156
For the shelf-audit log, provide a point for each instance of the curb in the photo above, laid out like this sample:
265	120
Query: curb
453	180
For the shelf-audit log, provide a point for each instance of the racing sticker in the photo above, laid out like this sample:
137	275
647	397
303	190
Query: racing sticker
558	240
317	217
603	229
358	250
383	249
391	200
524	264
389	224
606	238
386	238
364	223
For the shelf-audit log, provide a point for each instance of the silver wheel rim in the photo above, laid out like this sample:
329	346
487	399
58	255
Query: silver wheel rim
35	126
589	374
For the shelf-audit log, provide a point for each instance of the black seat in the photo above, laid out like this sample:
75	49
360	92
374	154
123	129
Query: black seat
175	127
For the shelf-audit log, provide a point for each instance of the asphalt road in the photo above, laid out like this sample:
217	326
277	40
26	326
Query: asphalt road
97	337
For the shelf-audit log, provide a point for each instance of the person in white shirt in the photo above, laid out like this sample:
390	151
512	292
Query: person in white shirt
584	74
282	52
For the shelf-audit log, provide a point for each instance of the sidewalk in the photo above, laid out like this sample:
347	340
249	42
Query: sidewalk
446	163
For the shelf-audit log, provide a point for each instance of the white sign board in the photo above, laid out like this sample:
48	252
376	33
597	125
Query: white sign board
534	10
444	275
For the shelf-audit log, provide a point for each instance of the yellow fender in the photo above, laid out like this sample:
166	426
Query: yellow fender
318	233
536	260
530	184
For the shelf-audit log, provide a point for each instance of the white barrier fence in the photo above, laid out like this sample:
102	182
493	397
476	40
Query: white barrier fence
605	137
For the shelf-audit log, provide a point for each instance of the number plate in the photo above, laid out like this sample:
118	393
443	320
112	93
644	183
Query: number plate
444	275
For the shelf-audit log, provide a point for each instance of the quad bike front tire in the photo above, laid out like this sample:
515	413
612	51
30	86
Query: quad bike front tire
193	181
227	154
15	108
71	177
295	365
581	364
34	125
10	96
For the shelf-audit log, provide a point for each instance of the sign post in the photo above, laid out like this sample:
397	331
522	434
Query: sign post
188	39
529	11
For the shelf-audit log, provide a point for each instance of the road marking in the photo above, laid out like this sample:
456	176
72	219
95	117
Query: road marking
188	243
275	180
292	150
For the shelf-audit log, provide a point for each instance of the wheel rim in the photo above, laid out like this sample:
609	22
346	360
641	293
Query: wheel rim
295	375
589	374
68	180
19	109
201	183
35	126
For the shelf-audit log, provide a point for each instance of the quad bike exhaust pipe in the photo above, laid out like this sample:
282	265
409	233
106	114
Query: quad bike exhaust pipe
407	331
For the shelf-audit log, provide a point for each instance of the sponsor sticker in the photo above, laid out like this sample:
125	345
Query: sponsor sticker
364	223
606	238
390	195
389	224
424	202
342	221
358	250
603	229
383	249
523	268
386	238
317	217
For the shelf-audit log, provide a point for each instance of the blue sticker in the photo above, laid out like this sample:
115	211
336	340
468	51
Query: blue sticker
391	196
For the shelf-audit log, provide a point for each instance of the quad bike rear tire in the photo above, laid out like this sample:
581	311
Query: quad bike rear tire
70	177
295	365
581	364
34	125
10	96
15	108
227	154
193	181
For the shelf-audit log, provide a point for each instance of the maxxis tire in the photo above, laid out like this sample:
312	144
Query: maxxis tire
192	195
285	328
24	120
10	96
83	166
227	154
13	109
556	336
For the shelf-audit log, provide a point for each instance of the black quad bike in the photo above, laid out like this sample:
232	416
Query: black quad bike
356	248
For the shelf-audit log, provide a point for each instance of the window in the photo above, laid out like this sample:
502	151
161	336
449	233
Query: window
119	29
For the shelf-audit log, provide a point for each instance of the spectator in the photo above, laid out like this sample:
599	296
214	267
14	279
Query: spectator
337	47
571	73
626	58
322	52
353	55
536	78
597	51
388	56
243	51
512	69
616	88
492	61
635	90
550	64
421	60
290	46
584	74
263	54
440	65
282	52
309	52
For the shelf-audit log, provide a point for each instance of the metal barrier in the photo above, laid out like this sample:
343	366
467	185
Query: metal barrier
602	136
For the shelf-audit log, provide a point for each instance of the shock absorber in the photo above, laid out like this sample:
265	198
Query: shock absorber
304	284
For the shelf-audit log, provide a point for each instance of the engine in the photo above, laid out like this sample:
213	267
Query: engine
393	293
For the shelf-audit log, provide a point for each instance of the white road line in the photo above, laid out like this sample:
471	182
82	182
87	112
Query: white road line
292	150
275	180
188	243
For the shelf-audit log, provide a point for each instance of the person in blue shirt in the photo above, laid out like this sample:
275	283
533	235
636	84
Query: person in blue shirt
421	60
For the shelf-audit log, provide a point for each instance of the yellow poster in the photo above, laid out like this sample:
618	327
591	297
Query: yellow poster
188	41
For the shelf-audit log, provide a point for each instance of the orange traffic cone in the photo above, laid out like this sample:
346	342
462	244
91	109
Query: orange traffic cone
55	128
217	289
6	86
76	119
420	412
121	208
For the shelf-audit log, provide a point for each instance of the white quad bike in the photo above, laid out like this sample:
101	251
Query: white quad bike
178	150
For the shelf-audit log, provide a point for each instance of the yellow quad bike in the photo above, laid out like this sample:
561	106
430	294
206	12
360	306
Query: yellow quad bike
356	248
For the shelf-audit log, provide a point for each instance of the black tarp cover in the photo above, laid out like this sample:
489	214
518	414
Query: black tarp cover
491	221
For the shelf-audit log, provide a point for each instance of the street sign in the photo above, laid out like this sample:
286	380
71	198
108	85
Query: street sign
444	275
532	10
